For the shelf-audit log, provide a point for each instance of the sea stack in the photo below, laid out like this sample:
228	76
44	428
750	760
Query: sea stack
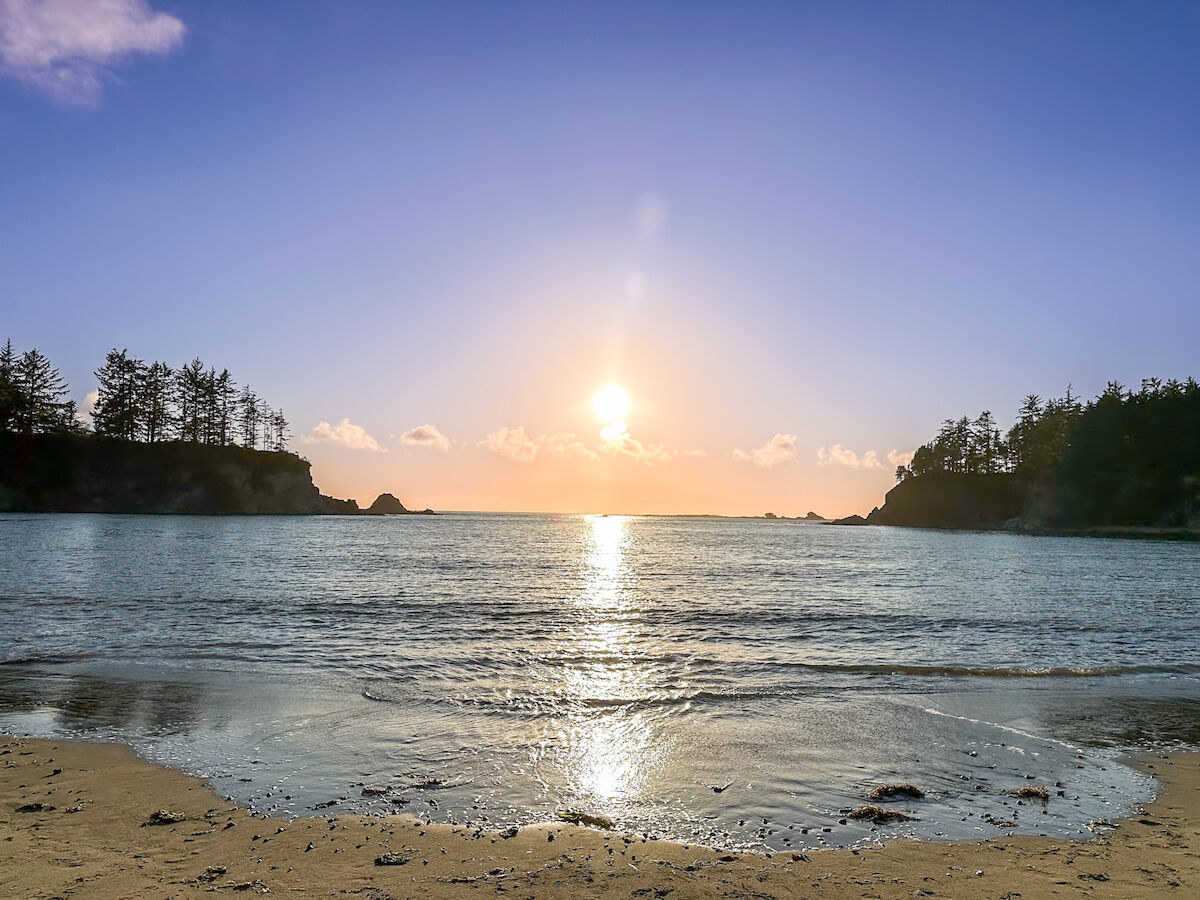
386	505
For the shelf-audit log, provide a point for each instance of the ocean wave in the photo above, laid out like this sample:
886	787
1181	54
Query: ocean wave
999	671
382	692
49	659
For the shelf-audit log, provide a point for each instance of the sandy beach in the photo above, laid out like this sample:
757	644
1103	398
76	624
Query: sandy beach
73	822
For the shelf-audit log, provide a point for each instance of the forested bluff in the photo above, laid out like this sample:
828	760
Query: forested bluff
159	440
1127	462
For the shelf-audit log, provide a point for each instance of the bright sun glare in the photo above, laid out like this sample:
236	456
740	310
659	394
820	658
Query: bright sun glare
611	403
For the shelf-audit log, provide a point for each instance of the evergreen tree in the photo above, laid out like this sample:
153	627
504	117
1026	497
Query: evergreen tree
190	401
248	407
155	415
42	408
119	411
11	399
225	395
279	431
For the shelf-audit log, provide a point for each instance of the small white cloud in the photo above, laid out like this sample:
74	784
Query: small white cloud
896	458
650	215
619	442
511	443
87	412
426	436
566	443
345	433
837	455
695	454
779	449
64	47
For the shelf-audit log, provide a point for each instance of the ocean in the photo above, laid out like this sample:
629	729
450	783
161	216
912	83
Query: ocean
737	683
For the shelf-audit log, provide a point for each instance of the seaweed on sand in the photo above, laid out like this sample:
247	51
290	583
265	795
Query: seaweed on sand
888	791
1032	792
880	816
576	817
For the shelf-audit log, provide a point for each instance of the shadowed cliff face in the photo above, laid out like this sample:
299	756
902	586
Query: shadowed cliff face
953	500
86	473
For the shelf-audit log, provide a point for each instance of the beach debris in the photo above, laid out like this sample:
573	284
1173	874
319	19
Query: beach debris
392	859
35	807
1030	792
327	804
374	791
576	817
719	788
510	832
999	823
1093	876
212	873
888	791
879	815
256	885
164	817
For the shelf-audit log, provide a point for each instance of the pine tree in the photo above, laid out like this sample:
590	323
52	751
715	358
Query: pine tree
42	386
11	399
248	417
226	397
119	411
279	429
156	418
189	401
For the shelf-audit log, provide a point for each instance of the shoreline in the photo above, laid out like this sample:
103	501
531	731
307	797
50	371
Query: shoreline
89	838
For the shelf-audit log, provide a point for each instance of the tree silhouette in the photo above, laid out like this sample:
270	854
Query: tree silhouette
119	405
40	388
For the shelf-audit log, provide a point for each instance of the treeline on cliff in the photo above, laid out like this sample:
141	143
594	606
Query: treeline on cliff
1125	458
139	401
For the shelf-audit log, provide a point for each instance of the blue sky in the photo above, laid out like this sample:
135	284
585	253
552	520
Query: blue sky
838	223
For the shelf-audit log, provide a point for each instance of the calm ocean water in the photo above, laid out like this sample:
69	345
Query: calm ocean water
501	668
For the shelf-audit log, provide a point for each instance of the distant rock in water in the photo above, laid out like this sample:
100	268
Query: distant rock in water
850	520
89	473
386	505
813	517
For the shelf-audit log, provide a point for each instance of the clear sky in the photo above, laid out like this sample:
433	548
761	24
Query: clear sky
796	234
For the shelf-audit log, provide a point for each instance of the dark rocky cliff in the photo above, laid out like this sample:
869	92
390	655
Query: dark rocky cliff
87	473
953	500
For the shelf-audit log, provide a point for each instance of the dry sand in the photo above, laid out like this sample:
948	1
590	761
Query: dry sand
88	840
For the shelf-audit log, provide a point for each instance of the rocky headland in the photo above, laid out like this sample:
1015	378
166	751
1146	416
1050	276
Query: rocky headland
84	473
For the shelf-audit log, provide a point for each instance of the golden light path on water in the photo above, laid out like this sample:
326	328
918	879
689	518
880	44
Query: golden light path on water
608	747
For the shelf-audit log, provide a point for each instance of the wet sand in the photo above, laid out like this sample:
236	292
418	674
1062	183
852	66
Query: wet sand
72	824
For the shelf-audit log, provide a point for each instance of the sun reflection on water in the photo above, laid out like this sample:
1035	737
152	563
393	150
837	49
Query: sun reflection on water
607	739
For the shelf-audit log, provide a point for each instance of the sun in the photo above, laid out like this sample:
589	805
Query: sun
611	403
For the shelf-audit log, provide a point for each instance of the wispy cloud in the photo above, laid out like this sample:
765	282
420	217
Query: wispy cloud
896	458
345	433
64	48
566	443
837	455
619	442
511	443
779	449
426	436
